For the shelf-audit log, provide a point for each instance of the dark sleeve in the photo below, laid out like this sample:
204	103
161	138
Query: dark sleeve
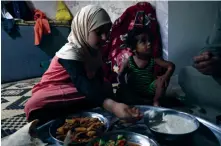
213	42
100	75
91	88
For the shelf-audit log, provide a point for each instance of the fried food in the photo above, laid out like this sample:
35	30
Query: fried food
83	129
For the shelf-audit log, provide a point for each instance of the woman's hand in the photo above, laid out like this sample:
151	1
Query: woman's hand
127	113
207	64
122	110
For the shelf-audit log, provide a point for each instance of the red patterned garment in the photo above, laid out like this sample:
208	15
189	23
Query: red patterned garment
113	53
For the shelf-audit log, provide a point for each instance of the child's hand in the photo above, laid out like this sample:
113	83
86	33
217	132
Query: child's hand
162	81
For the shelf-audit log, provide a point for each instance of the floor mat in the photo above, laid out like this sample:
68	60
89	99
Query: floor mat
11	125
14	97
4	100
14	92
18	104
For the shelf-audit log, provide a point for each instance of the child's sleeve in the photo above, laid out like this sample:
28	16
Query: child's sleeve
92	88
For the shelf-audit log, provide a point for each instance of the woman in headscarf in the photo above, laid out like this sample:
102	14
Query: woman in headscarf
74	79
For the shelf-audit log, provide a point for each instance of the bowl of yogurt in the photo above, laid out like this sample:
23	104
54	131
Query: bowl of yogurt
171	124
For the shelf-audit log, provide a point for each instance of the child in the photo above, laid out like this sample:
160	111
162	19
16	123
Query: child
74	79
141	85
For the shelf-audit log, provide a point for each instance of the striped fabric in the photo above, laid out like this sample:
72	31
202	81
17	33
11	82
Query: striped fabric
142	79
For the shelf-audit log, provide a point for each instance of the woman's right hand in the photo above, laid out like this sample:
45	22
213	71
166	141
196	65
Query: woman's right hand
122	110
126	113
207	63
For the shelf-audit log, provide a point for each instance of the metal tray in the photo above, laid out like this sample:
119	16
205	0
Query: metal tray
208	134
130	136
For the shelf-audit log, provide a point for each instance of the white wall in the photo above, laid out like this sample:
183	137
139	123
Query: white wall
114	9
190	23
162	17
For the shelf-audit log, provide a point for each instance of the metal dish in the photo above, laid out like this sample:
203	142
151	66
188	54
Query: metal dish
59	122
148	120
132	137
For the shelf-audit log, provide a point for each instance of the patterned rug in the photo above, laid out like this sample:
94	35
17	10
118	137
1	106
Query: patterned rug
13	98
12	124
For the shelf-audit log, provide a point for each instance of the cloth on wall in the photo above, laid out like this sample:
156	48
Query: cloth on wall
19	9
22	10
41	26
113	54
63	13
14	10
8	23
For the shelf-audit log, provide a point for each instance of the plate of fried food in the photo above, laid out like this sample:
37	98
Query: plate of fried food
83	127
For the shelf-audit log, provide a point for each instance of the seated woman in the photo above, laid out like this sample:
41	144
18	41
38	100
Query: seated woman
74	79
141	86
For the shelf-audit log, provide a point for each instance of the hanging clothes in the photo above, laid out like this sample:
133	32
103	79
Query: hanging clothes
41	26
113	53
8	22
22	10
19	10
63	13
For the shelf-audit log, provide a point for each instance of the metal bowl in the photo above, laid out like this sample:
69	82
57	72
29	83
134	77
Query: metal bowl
59	122
132	137
149	120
